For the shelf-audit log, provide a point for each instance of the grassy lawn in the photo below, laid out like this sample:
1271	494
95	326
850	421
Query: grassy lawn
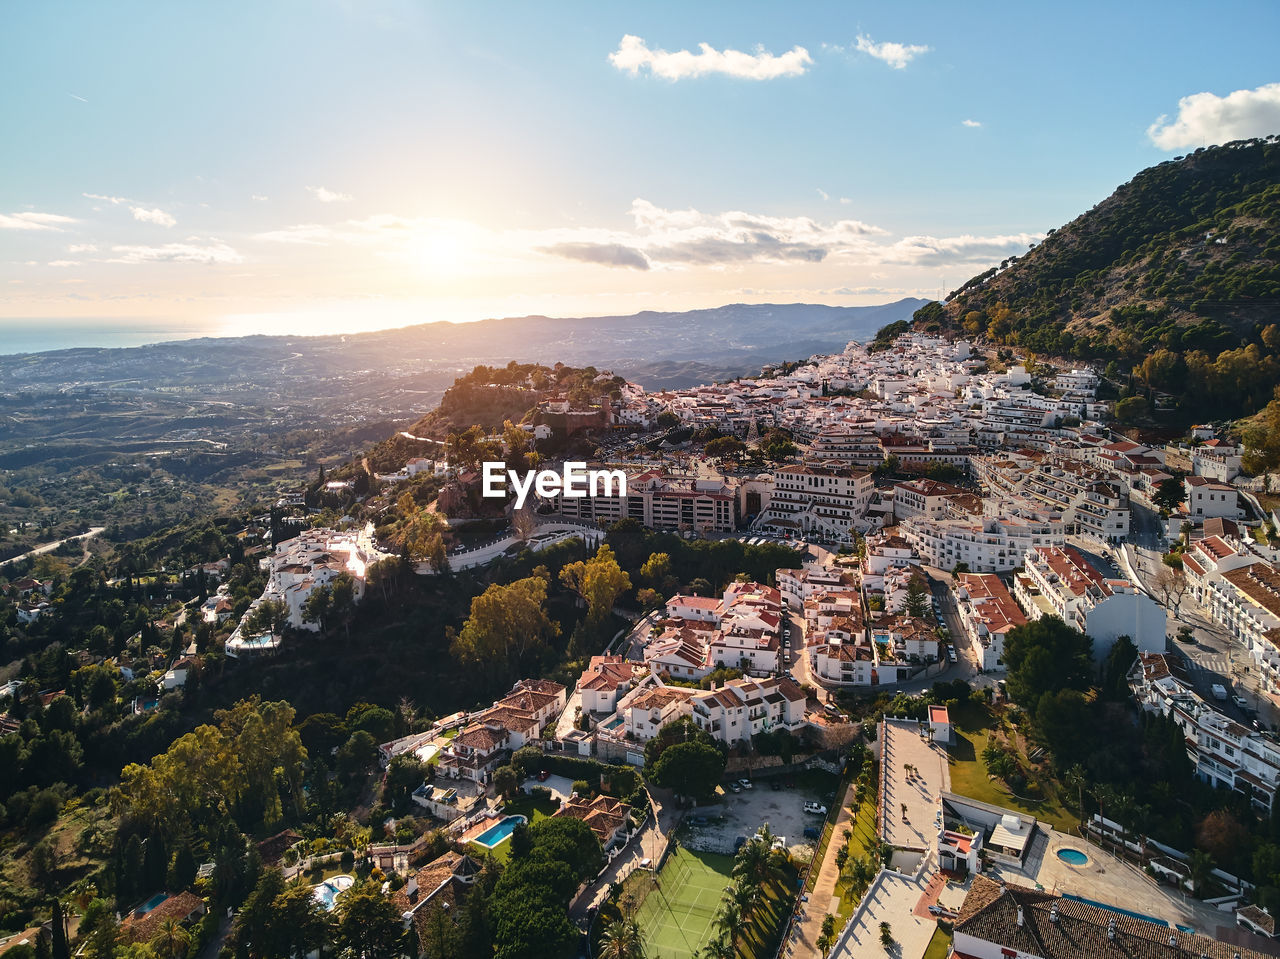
973	728
861	844
938	945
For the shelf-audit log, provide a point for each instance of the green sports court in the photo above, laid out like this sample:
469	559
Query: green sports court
678	914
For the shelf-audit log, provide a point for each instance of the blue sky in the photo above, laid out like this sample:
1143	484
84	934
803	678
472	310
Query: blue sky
276	165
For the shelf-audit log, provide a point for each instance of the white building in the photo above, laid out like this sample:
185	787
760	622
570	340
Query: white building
1207	498
827	500
741	708
988	612
1059	581
993	544
1225	753
658	501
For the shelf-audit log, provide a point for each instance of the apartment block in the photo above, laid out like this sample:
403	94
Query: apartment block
1059	581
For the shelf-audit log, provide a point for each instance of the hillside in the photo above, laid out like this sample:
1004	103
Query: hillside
1175	276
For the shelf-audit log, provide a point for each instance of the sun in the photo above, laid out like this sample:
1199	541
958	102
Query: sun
441	252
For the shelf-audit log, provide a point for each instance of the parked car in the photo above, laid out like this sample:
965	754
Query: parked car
815	808
1240	701
744	783
811	833
543	775
735	787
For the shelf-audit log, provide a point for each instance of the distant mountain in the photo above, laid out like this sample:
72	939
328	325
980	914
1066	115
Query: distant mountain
1176	276
729	340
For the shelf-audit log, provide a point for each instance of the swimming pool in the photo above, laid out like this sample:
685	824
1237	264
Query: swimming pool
499	831
328	891
151	903
1073	857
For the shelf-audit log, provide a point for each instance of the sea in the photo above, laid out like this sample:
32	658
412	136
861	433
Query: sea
38	335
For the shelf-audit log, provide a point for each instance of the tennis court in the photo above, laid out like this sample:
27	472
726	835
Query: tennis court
677	917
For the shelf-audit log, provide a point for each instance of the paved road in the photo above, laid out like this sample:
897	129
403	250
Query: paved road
808	929
49	547
648	844
1215	656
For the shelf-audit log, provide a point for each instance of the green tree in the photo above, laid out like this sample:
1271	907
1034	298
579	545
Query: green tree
917	597
1131	410
691	769
302	923
1046	655
621	939
505	781
368	925
182	871
599	582
1169	493
508	628
171	940
1200	867
726	447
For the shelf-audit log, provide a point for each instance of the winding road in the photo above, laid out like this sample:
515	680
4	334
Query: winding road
50	547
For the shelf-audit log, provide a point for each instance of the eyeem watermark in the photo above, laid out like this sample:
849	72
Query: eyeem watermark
574	480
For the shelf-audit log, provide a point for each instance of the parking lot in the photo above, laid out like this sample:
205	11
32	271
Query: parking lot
742	813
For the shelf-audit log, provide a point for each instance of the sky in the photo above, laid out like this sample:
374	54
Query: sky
339	165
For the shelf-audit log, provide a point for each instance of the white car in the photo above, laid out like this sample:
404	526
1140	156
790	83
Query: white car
745	783
816	808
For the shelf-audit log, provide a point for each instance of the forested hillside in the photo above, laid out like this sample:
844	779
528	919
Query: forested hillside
1175	277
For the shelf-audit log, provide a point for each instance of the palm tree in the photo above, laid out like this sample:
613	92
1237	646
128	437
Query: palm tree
172	940
729	919
622	940
1105	796
747	894
1075	779
1201	865
862	873
718	948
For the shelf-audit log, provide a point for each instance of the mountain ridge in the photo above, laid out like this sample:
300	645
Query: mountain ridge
1174	277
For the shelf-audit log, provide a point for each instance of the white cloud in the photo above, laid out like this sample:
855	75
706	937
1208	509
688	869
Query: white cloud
824	194
681	238
602	254
156	216
82	248
329	196
63	263
1205	118
971	123
964	249
114	200
633	55
214	251
34	221
845	200
897	55
259	198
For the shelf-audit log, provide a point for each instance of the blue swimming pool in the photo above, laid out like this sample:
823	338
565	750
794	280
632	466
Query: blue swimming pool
328	891
499	831
1073	857
151	903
